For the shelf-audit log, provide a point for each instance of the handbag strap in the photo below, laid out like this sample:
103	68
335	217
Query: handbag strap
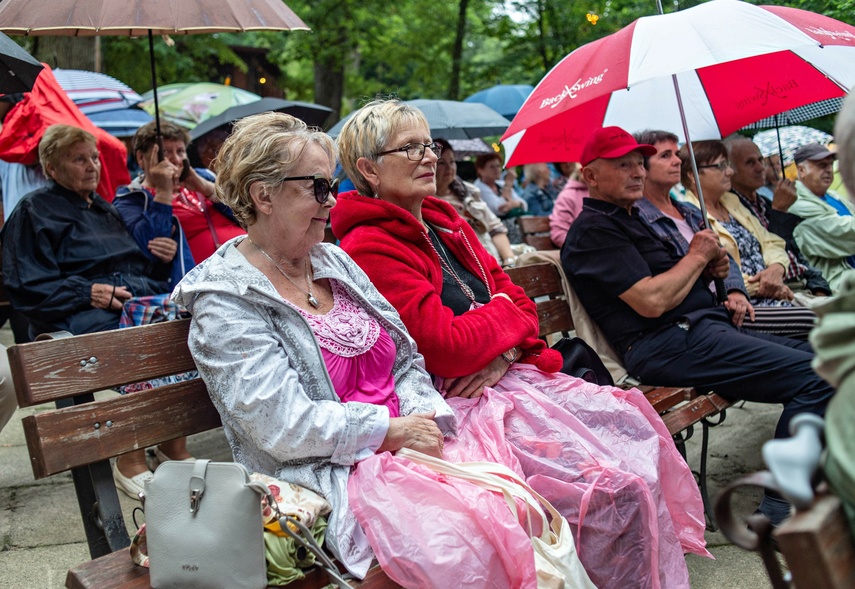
494	477
303	537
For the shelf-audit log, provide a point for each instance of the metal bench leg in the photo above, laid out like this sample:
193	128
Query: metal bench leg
97	497
702	475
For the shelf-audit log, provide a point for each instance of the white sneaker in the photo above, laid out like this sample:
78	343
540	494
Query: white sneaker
131	486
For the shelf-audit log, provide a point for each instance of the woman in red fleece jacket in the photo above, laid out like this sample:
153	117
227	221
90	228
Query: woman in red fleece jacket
600	454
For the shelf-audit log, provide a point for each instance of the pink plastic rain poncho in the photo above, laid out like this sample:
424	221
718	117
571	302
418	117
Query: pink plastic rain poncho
601	455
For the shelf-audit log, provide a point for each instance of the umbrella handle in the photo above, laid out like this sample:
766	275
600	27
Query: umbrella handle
720	291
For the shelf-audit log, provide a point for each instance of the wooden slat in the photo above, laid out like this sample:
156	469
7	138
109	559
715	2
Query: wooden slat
554	317
539	242
533	224
537	280
117	570
818	546
692	412
664	398
45	371
66	438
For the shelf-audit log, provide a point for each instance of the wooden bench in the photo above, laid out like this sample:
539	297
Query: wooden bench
817	543
535	232
681	408
82	434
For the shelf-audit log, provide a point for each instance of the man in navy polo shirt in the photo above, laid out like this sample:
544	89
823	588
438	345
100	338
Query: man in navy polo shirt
655	305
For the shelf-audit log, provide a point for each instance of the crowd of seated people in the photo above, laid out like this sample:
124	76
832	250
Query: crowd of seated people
444	338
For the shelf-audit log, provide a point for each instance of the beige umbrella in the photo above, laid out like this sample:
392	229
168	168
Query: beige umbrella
136	18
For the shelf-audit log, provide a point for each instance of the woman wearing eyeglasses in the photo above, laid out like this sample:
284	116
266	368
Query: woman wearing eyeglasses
595	452
760	254
309	367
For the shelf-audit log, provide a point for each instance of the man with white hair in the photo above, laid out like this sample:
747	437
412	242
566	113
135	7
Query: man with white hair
827	234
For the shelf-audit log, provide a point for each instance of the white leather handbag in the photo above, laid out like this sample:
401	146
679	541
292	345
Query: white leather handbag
204	527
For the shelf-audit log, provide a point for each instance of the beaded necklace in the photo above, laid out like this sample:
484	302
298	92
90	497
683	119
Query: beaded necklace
445	263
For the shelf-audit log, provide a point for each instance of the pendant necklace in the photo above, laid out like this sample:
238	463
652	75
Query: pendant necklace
310	297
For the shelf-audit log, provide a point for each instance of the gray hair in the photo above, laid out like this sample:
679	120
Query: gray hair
844	137
58	139
262	148
367	131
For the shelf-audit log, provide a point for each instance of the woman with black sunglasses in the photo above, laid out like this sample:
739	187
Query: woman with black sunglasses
309	367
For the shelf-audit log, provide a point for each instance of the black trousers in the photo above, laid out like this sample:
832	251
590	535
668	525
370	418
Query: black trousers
712	355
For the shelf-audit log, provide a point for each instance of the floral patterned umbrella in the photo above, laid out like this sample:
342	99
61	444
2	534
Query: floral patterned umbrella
791	139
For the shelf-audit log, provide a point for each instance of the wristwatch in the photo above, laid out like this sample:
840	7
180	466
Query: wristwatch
511	355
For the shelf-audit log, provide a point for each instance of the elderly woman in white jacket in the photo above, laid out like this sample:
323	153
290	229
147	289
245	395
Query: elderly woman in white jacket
309	367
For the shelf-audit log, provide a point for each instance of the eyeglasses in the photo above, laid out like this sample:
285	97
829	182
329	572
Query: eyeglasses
322	187
416	151
722	166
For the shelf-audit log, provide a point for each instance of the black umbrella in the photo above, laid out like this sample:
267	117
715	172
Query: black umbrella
18	69
312	114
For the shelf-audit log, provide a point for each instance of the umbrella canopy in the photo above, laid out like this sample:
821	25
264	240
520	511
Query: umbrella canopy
800	114
464	148
312	114
122	122
452	119
145	17
505	99
136	18
792	138
188	104
735	62
18	69
94	92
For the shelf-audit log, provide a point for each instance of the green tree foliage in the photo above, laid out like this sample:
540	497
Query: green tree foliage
360	48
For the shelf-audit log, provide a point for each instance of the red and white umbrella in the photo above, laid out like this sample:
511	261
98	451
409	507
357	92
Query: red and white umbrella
735	62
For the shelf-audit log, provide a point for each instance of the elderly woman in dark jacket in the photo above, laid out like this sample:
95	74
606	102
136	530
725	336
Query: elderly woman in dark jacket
69	264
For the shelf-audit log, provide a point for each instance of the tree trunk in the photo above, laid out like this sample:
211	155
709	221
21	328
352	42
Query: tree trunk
541	31
457	52
76	53
329	85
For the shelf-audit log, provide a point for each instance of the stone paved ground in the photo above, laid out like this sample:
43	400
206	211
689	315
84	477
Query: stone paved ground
41	535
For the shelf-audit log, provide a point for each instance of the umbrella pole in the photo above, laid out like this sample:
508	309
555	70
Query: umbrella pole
780	148
720	291
158	136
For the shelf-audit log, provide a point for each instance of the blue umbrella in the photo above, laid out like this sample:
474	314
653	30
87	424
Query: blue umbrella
121	122
505	99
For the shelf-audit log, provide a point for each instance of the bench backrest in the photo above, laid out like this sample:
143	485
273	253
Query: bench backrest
544	280
69	369
535	232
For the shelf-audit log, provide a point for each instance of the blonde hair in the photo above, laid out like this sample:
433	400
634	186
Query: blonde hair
844	137
262	148
366	132
58	139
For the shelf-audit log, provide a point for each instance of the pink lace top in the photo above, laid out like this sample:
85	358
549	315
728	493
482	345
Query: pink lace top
358	352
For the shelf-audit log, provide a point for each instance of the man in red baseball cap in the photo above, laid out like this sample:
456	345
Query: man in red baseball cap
655	305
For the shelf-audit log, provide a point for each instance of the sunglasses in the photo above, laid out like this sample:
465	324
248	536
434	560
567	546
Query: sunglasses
322	187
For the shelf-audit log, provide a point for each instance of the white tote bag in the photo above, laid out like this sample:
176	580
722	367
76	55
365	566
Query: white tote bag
555	558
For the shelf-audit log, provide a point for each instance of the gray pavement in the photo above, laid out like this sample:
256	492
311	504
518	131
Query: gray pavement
41	535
